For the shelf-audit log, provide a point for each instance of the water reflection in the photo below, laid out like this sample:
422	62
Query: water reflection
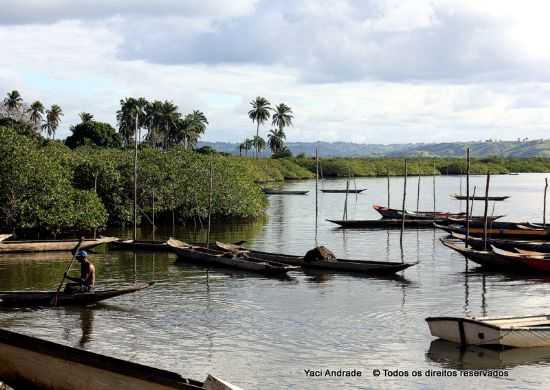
453	356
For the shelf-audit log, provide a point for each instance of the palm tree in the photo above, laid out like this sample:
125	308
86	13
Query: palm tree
168	123
13	102
259	114
130	109
282	117
36	110
249	145
275	140
259	144
53	118
153	114
86	117
196	125
242	146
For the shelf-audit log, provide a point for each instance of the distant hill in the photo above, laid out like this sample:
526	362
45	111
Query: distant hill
525	148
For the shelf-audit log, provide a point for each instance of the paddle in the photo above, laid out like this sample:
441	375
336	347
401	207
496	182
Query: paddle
75	252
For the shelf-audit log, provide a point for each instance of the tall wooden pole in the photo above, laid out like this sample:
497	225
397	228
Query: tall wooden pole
467	196
434	187
135	175
544	204
388	172
485	212
472	206
316	192
404	200
154	226
418	194
210	204
345	216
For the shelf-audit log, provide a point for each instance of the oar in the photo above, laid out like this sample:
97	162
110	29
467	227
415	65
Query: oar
76	249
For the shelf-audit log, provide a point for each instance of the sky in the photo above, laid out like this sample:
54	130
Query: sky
366	71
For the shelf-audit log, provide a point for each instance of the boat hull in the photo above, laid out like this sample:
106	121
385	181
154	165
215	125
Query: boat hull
31	363
141	245
381	223
32	299
341	265
467	331
50	246
492	232
343	191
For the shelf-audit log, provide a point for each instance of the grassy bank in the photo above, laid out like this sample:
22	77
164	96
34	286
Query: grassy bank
341	167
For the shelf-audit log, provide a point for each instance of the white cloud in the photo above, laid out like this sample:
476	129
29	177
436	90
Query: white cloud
364	71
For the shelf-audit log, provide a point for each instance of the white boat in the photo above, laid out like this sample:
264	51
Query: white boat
4	236
520	332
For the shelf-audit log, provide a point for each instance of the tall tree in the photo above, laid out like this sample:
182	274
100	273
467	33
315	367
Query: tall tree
36	110
13	102
153	113
259	113
196	125
130	109
249	143
275	140
53	118
86	117
168	122
282	117
259	144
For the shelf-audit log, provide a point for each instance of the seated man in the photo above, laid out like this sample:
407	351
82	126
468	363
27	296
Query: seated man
86	282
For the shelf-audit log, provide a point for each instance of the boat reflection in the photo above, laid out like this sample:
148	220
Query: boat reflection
454	356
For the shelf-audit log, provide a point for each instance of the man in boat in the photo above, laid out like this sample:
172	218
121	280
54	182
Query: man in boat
86	282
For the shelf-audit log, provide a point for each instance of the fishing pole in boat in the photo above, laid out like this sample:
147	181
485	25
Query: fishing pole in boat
210	204
403	208
467	198
75	253
418	193
433	184
388	175
485	212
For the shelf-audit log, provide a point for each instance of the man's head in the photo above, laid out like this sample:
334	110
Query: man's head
82	256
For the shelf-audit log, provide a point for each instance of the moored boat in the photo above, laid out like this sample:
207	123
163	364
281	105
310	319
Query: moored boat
486	259
4	236
443	216
221	258
31	363
46	298
489	198
503	243
340	265
508	230
527	331
338	191
536	261
51	245
271	191
381	223
141	245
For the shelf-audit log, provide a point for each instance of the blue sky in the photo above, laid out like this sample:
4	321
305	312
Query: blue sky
375	71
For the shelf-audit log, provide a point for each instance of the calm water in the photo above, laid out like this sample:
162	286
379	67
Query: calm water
262	333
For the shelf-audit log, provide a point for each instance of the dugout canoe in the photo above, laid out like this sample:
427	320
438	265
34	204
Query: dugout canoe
4	236
486	259
350	191
518	332
271	191
443	216
341	265
31	363
141	245
381	223
227	259
536	261
515	231
51	245
503	243
44	298
490	198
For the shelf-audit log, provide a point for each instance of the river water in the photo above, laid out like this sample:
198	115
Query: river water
262	333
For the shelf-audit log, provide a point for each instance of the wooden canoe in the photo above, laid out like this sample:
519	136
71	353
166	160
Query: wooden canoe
490	198
271	191
341	265
51	245
44	298
529	331
380	223
486	259
536	261
32	363
503	243
518	231
443	216
350	191
221	258
141	245
4	236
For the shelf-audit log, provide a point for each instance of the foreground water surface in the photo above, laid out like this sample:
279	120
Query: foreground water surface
262	333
